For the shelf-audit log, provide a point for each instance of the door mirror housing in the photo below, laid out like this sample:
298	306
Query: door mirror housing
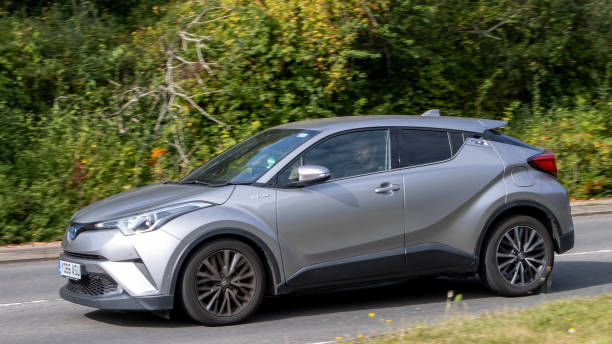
311	174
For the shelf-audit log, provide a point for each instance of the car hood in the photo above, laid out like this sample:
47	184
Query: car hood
150	197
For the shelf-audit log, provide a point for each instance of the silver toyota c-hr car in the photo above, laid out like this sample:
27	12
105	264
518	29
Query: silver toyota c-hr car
320	204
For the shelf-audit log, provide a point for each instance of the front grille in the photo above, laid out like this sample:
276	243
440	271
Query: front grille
93	285
84	256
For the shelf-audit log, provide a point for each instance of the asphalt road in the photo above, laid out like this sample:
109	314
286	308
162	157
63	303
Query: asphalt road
31	311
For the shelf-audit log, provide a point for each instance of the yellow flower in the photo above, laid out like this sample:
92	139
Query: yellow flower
94	146
371	315
338	338
419	326
359	336
389	320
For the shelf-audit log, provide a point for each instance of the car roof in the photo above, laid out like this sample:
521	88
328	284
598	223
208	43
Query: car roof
477	125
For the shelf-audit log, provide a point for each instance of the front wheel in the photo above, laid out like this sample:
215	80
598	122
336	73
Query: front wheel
223	283
519	256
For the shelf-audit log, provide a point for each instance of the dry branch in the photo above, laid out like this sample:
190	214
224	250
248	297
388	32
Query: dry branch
488	32
168	96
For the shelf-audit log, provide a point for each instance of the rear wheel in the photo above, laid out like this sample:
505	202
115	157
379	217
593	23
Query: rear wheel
519	256
223	283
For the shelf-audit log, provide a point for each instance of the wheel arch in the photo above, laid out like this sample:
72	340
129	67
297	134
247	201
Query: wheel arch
271	266
520	207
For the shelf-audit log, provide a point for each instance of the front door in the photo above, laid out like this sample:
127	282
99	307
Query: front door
350	227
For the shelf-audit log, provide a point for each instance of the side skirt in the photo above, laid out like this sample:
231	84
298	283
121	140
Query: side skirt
419	260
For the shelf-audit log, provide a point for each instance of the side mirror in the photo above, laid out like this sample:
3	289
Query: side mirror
312	174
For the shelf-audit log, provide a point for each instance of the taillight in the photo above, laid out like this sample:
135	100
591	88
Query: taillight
544	162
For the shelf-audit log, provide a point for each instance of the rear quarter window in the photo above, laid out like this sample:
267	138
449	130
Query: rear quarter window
494	135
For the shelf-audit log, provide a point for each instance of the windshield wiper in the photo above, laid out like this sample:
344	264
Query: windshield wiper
197	182
231	183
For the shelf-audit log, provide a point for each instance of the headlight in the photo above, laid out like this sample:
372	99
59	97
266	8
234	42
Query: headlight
151	220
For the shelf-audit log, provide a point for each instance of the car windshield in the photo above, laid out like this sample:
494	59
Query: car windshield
245	162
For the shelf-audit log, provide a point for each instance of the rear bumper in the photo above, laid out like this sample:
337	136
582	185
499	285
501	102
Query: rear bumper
119	301
566	241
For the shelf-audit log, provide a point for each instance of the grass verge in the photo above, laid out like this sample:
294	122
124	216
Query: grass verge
580	320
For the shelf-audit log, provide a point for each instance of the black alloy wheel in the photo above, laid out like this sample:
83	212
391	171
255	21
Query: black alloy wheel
518	256
223	283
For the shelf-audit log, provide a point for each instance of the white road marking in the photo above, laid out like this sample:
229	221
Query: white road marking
328	342
27	302
581	253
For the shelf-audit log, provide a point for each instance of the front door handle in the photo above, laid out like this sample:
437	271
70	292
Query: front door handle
387	187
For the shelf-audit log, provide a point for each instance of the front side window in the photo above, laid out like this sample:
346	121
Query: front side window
417	147
250	159
346	155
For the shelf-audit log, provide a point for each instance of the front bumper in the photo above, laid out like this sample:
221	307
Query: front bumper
98	288
119	301
120	272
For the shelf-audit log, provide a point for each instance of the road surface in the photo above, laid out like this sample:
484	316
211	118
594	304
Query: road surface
31	311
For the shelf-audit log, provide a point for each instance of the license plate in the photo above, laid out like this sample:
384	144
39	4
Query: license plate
70	270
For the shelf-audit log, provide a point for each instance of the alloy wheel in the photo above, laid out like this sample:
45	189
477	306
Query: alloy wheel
521	255
225	282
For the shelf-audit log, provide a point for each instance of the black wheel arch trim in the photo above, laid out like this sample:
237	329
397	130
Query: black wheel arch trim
270	262
555	230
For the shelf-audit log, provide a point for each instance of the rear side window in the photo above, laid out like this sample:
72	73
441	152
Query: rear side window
416	147
494	135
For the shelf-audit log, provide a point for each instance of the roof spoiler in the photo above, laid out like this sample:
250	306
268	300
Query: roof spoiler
491	123
431	113
488	124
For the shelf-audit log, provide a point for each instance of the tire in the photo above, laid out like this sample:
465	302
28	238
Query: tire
222	284
513	264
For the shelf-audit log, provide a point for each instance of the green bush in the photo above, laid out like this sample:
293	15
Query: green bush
581	136
87	108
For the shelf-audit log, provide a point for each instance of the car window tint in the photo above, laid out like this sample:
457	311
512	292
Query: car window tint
290	173
416	147
351	154
251	158
494	135
456	139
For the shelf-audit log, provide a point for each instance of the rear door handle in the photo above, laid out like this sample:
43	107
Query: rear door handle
386	187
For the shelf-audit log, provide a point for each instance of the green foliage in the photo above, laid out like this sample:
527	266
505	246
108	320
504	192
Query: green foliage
475	57
581	136
88	108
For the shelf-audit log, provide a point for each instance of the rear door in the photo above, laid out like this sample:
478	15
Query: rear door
449	177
